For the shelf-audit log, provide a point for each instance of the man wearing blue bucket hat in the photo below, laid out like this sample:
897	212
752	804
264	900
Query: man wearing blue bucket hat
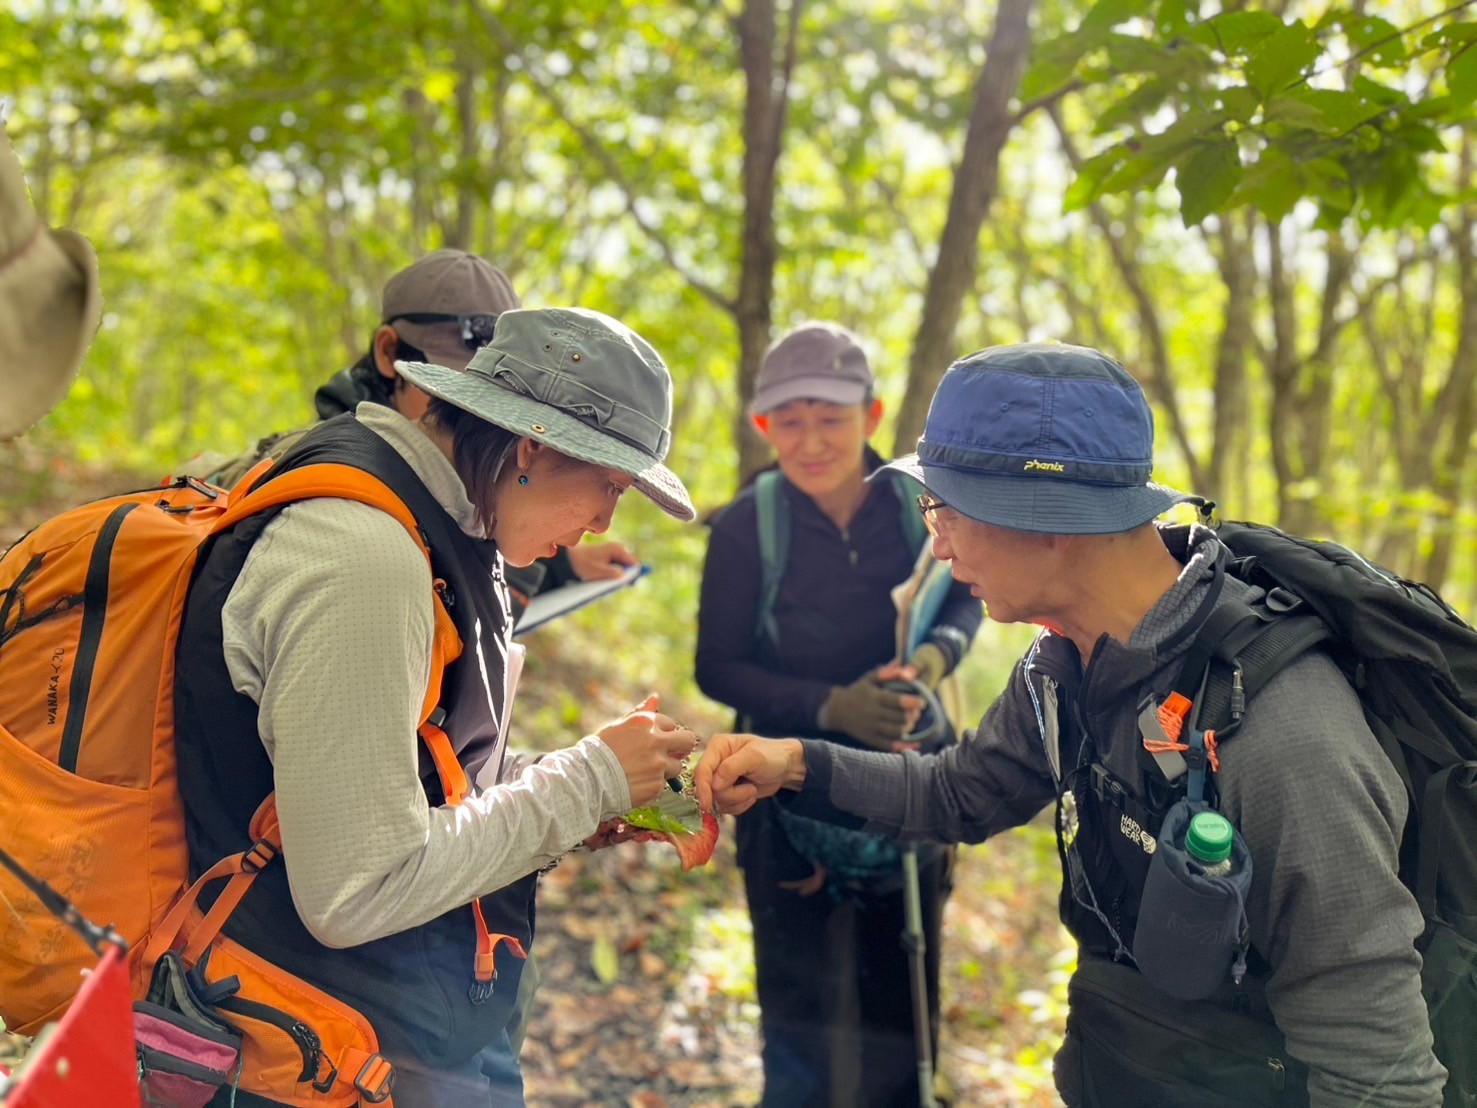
1036	460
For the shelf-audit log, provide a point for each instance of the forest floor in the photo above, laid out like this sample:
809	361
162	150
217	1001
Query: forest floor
647	997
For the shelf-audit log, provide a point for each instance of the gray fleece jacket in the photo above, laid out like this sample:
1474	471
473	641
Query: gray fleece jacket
1305	782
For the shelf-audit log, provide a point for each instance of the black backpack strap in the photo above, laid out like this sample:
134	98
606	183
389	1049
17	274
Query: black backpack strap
1261	650
1433	827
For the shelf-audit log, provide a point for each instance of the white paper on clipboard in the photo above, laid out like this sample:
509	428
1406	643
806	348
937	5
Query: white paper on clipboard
546	606
488	774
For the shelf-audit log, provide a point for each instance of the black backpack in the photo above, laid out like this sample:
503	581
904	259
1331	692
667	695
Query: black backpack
1413	662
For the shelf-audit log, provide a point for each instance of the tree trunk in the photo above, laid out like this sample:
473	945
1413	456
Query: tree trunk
1226	469
468	173
1460	394
764	128
975	182
420	187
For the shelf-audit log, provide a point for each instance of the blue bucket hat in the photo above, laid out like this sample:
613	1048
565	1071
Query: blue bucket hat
1042	437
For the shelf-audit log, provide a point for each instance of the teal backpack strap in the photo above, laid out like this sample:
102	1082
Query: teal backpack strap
915	531
773	521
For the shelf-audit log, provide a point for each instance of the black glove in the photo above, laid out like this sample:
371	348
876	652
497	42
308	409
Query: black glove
870	714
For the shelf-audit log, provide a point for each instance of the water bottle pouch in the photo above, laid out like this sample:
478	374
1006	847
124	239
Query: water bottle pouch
1191	927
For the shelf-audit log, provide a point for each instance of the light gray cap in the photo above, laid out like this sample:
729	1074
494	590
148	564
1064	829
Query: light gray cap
813	361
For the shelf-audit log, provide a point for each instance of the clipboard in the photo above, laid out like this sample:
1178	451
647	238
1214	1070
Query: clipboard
547	606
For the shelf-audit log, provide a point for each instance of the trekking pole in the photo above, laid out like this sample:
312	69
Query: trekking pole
63	909
916	944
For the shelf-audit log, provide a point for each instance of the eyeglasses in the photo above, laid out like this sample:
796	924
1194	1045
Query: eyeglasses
476	328
928	506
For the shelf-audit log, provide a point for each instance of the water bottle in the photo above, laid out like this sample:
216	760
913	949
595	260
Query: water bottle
1190	936
1209	840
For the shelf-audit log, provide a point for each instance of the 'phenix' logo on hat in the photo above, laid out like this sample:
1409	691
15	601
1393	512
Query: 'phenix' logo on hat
1050	467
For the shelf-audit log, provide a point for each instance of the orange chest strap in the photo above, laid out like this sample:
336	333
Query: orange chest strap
455	785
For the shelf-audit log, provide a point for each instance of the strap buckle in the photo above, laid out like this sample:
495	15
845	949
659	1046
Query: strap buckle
376	1079
1107	787
258	857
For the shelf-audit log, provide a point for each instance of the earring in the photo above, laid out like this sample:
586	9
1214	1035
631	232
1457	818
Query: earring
523	478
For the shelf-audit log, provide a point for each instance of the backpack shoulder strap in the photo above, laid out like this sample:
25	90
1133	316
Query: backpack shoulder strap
345	482
1235	652
915	531
324	479
1238	650
772	519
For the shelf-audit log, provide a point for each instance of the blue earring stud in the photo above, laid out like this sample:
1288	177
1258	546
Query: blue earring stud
523	478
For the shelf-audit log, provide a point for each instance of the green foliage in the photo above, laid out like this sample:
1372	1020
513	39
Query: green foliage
1282	108
252	172
672	813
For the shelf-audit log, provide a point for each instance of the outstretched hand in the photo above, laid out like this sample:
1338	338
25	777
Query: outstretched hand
737	771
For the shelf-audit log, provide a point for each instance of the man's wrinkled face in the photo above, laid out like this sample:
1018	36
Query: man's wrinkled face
1010	571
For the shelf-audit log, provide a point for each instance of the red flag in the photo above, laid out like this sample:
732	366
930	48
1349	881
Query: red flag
88	1057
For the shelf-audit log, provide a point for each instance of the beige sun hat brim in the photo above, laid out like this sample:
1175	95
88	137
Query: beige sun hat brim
50	304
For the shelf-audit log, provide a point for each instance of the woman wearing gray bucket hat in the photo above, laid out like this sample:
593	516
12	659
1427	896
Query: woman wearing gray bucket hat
306	645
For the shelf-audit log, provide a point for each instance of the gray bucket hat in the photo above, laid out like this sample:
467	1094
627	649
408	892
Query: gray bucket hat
1042	437
581	382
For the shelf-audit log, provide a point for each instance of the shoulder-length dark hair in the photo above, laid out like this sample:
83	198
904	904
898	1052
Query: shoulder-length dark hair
479	451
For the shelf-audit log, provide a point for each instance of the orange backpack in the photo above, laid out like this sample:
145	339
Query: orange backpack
90	611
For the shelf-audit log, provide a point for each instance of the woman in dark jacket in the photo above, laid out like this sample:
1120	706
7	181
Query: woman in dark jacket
827	917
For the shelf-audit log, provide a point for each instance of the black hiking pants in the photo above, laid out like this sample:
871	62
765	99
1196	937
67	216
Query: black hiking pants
835	995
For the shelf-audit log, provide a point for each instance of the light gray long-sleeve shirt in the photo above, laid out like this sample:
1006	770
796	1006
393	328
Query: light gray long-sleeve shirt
1305	782
329	629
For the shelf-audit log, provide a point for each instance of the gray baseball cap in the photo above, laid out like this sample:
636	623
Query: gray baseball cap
449	283
581	382
813	361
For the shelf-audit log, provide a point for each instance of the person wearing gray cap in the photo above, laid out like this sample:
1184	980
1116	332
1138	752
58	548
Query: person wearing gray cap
441	308
1037	462
305	646
804	642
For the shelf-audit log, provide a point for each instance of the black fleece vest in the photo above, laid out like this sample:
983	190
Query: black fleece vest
412	986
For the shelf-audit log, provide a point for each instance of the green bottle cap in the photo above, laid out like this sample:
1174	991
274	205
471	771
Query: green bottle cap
1209	837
